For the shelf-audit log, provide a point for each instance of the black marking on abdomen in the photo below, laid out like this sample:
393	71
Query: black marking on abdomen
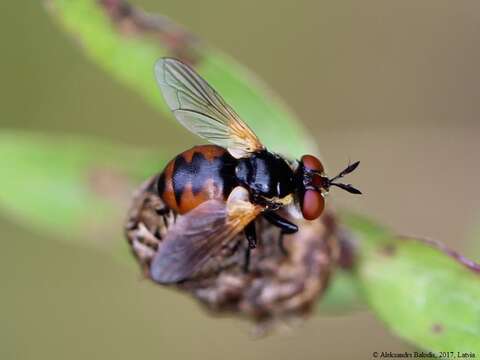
161	184
219	170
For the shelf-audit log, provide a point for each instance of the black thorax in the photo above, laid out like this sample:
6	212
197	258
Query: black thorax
265	174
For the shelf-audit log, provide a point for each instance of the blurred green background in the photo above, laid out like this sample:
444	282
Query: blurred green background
393	84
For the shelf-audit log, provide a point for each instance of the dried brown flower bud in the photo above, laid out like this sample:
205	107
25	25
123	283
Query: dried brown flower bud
278	284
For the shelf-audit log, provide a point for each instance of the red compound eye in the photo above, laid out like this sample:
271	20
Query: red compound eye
312	163
313	204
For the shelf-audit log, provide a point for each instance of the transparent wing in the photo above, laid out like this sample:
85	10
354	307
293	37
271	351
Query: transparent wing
200	235
198	107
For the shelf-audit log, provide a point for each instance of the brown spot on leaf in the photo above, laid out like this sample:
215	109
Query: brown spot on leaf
437	328
131	21
109	184
388	250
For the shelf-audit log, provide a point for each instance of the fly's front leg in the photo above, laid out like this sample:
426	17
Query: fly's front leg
251	236
285	226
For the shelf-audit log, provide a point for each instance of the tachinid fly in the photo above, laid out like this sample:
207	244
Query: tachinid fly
196	223
207	197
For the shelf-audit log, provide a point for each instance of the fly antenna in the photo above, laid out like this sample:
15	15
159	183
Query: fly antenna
347	187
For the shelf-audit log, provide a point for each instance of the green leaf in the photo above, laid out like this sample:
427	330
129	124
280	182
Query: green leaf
74	188
343	294
127	42
424	292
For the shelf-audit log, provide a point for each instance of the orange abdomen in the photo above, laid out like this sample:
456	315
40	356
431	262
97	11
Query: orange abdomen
202	173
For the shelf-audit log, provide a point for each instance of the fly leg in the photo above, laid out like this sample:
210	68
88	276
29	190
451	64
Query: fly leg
251	236
286	227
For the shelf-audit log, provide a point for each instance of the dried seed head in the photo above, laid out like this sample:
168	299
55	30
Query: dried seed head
277	285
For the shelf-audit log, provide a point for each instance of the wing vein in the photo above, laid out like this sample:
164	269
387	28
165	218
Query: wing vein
198	107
